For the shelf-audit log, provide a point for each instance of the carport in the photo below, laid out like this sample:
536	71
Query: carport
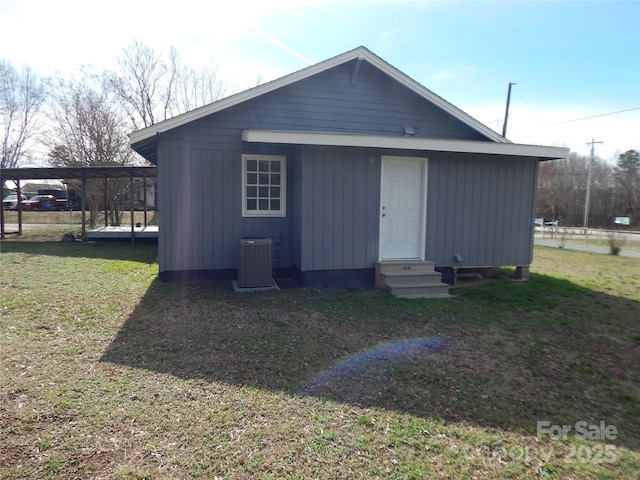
77	173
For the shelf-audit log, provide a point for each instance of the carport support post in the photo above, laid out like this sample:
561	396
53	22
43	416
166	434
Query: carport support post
19	206
106	195
133	232
2	215
144	195
83	206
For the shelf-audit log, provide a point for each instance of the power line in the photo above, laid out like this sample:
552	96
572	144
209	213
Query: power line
587	118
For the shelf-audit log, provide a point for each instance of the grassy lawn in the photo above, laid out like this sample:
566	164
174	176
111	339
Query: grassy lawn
71	217
108	373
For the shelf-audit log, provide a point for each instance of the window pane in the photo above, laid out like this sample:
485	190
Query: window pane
264	185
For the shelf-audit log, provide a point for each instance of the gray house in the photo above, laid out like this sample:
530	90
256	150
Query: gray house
356	172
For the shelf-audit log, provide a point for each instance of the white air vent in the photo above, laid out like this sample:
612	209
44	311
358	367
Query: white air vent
254	262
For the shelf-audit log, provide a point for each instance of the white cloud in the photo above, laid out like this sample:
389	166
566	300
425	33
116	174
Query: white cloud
284	47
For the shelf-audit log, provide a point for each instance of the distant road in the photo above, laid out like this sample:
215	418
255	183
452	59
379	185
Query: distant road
573	245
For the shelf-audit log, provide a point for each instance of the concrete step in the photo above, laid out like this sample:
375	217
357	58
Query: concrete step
406	267
425	295
420	290
412	277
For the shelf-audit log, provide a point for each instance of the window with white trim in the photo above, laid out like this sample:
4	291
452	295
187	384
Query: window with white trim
264	179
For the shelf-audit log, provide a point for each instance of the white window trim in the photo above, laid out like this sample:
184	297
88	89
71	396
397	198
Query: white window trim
283	186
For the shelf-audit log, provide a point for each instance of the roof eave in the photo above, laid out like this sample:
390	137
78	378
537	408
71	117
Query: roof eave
404	143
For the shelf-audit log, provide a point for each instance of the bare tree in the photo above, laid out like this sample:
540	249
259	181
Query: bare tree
144	82
152	88
627	177
195	88
88	128
21	96
601	209
562	187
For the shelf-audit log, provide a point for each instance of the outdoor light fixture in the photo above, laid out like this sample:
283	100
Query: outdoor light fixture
409	131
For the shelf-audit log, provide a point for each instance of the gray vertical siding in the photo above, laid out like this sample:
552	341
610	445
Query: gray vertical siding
295	209
481	208
340	209
199	173
201	218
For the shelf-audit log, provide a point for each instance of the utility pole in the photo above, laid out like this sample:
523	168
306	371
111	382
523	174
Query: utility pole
506	113
586	203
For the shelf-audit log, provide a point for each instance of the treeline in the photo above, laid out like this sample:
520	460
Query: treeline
84	120
614	191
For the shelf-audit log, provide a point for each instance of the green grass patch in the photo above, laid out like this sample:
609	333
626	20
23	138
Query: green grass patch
73	217
110	373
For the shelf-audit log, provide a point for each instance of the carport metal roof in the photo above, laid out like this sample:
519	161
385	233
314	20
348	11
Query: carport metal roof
58	173
71	173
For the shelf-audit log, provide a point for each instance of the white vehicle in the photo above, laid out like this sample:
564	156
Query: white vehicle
10	202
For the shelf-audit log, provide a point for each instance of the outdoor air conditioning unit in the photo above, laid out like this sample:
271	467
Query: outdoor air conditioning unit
254	262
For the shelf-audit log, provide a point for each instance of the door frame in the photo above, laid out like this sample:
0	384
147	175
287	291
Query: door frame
423	205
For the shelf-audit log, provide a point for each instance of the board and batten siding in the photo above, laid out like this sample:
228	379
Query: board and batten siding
202	207
482	208
340	205
478	206
199	172
333	193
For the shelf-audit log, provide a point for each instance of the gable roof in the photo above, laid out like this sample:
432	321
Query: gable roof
140	138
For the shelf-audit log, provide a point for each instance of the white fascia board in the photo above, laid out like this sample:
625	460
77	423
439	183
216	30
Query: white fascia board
357	53
403	143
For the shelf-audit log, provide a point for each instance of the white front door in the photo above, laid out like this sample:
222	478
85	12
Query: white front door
402	208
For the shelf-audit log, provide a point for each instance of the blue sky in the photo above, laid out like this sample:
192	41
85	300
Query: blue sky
570	60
